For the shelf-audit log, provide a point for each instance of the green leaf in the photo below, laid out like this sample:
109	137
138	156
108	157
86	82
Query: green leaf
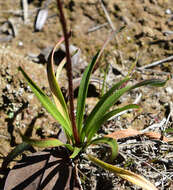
76	152
82	99
110	101
45	143
119	110
83	90
151	82
107	116
15	152
101	108
46	102
110	141
125	174
169	130
91	119
54	86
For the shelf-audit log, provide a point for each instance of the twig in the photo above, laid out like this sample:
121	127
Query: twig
161	125
166	123
167	120
167	177
96	27
143	71
171	109
25	10
156	125
20	12
107	16
69	72
168	32
78	180
156	63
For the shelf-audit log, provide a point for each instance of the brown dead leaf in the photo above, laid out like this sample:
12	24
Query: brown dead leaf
158	136
125	133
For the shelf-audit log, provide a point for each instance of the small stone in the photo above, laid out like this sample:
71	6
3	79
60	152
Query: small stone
169	90
168	11
20	43
157	183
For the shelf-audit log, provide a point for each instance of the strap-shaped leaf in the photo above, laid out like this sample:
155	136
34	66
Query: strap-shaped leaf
96	109
119	110
107	116
45	143
125	174
47	103
83	93
54	86
104	106
83	90
76	152
110	141
110	101
169	130
151	82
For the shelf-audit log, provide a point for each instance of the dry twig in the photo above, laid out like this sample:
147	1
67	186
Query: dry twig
25	10
96	27
107	16
156	125
170	58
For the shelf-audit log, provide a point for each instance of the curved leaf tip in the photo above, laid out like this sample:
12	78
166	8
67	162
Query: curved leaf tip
125	174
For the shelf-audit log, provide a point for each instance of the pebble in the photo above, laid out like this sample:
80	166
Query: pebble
20	43
169	90
168	11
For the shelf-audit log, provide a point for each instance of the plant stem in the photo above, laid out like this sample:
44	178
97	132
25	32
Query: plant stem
69	73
